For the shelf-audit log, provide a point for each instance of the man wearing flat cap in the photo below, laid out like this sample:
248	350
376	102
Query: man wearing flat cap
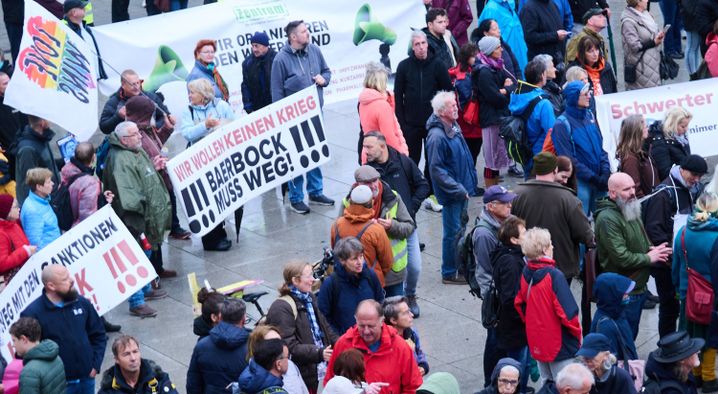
257	74
665	214
594	21
75	19
670	367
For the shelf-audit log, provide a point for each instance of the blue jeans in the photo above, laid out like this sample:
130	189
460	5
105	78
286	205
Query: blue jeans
413	266
454	218
522	355
588	194
178	4
633	311
138	299
394	290
81	386
314	185
671	16
693	51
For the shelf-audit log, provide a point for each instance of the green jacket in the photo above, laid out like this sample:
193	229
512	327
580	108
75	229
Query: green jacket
141	198
43	371
622	245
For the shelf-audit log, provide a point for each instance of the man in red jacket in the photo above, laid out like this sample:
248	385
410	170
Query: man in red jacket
387	357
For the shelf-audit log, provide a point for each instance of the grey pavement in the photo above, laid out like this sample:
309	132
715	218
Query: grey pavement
271	235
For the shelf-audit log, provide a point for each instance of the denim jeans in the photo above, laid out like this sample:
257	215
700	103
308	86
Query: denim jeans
81	386
138	299
671	16
693	51
394	290
314	185
588	194
178	4
522	355
454	218
633	311
413	266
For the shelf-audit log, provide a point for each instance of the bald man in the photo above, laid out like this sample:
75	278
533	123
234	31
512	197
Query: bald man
387	356
623	246
71	321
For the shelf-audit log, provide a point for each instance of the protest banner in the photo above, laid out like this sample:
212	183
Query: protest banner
699	97
54	74
105	262
247	157
350	34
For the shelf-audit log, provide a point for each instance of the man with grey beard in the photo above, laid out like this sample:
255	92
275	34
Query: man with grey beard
623	246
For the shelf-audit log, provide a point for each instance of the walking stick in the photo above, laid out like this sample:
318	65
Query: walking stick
611	47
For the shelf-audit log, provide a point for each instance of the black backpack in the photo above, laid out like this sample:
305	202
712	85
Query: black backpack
466	260
514	131
60	203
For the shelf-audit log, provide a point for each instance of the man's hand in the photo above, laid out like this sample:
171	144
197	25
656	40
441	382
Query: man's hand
562	34
386	223
159	162
660	253
122	112
319	80
93	373
327	353
109	196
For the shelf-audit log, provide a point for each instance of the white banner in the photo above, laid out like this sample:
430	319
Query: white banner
698	97
103	258
350	34
54	74
247	157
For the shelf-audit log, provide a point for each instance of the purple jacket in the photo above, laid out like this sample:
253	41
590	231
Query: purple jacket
84	192
460	17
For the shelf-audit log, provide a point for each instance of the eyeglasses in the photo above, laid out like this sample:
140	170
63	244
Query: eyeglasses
207	52
508	382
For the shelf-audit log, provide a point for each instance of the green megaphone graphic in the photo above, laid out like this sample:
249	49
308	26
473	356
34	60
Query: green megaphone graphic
168	68
367	28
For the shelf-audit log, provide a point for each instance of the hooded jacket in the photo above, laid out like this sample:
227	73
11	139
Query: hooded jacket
452	169
76	328
218	359
109	119
200	327
439	49
662	372
342	292
43	371
485	241
493	387
12	253
39	221
556	208
152	380
508	263
33	150
256	79
699	243
377	248
553	330
665	151
660	209
84	192
377	113
416	83
393	362
255	379
294	70
193	128
404	177
141	198
511	30
638	30
540	20
540	121
622	245
577	136
609	320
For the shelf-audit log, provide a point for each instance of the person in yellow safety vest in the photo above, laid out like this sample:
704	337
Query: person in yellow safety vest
390	213
75	19
89	15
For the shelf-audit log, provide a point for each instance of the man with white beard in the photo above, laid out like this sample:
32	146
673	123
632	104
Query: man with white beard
623	246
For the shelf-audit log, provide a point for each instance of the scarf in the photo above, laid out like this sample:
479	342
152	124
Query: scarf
682	139
496	64
219	81
594	73
306	299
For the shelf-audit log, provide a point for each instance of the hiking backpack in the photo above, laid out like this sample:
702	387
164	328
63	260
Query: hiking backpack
467	261
513	129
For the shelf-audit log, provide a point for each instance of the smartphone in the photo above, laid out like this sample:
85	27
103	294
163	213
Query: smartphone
666	27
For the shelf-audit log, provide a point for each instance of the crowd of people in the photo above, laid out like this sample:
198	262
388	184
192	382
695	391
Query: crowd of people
573	221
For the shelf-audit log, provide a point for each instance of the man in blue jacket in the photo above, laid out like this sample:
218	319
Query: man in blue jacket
577	136
453	175
72	322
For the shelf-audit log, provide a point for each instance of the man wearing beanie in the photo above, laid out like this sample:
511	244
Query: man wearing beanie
544	29
665	214
257	74
358	221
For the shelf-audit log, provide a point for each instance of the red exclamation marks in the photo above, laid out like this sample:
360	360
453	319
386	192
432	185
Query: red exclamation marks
94	301
132	258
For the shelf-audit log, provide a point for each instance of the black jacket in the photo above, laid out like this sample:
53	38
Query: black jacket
553	90
13	11
508	263
619	381
440	50
11	122
607	78
510	62
663	373
109	118
493	105
660	208
256	79
416	83
540	20
32	150
404	177
218	359
665	152
579	7
152	380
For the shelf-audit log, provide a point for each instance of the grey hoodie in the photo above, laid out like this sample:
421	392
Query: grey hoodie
485	242
293	70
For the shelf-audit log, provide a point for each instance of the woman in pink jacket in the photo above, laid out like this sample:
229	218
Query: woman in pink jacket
712	52
376	109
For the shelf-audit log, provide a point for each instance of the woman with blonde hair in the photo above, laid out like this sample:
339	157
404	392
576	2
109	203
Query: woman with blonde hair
632	158
669	140
376	109
302	326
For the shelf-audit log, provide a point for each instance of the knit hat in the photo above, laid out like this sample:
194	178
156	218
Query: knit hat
260	37
5	205
545	163
139	109
695	164
361	195
366	173
70	4
488	44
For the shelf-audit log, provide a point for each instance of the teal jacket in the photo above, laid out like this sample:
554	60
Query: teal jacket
43	371
700	247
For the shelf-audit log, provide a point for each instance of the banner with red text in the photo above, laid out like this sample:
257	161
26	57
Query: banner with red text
698	97
105	262
54	74
245	158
